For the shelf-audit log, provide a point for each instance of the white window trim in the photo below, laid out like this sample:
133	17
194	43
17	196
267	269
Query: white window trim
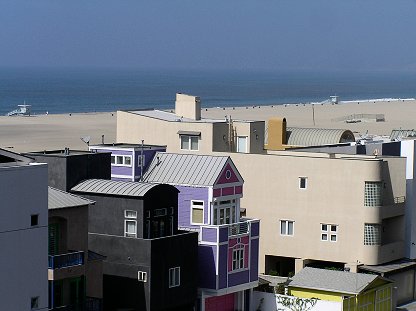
239	261
198	207
130	219
329	233
238	144
189	142
286	222
124	160
142	276
175	283
306	182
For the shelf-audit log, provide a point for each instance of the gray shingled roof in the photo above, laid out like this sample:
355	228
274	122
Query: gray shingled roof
330	280
316	137
61	199
123	188
185	169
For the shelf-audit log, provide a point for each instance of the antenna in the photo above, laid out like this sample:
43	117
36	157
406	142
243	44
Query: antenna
86	139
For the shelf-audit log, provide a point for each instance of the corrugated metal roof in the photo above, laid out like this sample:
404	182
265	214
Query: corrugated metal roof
399	134
185	169
390	267
123	188
330	280
61	199
316	137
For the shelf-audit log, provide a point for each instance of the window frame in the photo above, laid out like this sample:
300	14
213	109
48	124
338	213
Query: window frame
142	276
130	219
329	233
123	160
200	207
238	144
238	259
176	280
189	137
300	182
286	222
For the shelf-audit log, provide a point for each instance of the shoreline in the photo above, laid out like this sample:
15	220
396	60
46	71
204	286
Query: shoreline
57	131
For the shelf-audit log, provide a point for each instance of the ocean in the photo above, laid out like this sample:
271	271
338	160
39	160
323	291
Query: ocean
94	90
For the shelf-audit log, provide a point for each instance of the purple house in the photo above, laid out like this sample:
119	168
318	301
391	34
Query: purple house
128	161
209	202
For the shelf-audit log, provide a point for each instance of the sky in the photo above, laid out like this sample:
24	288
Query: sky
260	35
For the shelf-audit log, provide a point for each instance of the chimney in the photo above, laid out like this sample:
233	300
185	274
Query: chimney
188	106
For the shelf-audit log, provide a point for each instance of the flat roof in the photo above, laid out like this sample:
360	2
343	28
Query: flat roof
60	152
127	145
171	117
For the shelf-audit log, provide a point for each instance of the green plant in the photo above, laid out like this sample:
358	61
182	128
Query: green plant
273	273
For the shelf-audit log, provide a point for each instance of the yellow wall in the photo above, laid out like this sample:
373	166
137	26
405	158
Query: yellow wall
321	295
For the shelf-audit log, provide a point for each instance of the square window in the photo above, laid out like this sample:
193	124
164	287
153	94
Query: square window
34	302
302	182
113	159
174	277
130	227
329	232
127	160
324	227
324	237
333	228
197	212
119	160
34	220
333	238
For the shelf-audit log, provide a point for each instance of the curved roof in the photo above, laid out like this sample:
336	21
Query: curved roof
297	136
123	188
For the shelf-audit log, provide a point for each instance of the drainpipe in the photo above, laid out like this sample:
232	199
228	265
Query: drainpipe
141	161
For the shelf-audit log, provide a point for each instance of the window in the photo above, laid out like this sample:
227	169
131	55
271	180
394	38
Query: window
174	277
303	182
238	259
120	160
372	193
286	227
34	220
140	160
225	212
34	302
329	232
197	212
372	234
130	224
242	144
142	276
189	142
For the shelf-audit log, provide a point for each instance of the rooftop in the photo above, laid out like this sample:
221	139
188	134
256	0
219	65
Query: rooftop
333	281
61	152
8	158
126	145
61	199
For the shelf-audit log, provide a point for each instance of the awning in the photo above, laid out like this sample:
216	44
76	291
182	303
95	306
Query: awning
189	133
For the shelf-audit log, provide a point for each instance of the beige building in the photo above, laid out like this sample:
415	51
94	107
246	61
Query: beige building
315	208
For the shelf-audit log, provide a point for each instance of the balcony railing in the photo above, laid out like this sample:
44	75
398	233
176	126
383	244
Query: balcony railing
65	260
238	228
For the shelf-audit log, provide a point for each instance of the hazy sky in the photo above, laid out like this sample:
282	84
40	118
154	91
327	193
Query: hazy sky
317	35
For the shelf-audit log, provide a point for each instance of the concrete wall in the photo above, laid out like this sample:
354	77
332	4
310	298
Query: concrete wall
24	249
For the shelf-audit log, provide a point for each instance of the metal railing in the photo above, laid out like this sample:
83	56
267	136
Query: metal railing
238	228
65	260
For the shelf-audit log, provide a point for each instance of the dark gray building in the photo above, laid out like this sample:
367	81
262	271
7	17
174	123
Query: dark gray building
150	265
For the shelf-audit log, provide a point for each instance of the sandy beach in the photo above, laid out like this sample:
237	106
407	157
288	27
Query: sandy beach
42	132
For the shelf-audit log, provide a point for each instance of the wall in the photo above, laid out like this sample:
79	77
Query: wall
24	249
185	196
268	301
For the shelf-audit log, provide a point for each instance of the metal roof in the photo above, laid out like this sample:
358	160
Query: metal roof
316	137
171	117
185	169
123	188
333	281
390	267
399	134
61	199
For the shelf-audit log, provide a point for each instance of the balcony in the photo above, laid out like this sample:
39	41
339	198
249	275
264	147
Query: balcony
65	260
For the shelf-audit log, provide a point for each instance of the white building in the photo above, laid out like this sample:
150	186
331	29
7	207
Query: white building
23	233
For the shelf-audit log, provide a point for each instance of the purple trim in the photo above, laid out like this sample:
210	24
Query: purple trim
227	191
254	260
223	234
238	278
209	234
222	266
254	229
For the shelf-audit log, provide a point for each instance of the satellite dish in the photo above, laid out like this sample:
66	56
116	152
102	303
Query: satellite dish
86	139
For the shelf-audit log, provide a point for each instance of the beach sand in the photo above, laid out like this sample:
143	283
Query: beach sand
42	132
